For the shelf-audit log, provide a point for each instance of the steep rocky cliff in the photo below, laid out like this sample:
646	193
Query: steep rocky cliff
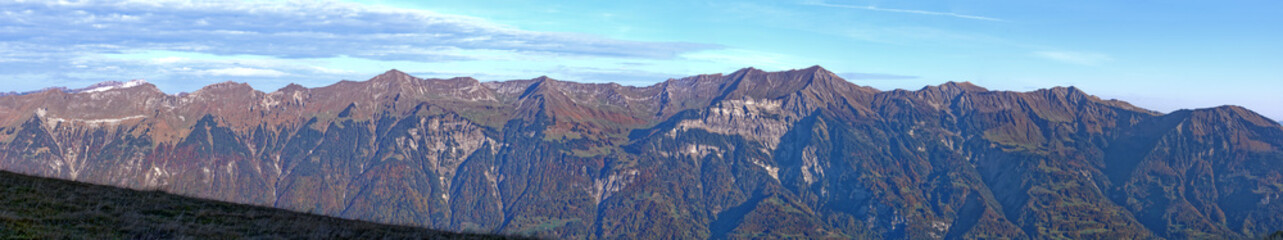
799	153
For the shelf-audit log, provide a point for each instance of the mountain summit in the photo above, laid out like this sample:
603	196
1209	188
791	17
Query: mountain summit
749	154
110	85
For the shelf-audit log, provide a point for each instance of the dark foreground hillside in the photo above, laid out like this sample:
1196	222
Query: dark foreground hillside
41	208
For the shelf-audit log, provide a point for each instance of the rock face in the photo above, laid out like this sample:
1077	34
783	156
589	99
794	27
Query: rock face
750	154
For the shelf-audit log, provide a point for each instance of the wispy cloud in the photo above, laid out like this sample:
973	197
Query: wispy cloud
908	11
623	76
1080	58
295	29
741	57
80	42
244	72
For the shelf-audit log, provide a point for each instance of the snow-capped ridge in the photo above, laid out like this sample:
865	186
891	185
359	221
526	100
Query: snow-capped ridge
109	85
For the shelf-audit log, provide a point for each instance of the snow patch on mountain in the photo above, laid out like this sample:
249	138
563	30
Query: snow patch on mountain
110	121
110	85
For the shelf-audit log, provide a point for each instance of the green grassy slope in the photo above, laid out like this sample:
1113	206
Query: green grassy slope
41	208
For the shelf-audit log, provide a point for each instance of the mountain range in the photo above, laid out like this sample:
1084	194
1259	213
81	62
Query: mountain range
751	154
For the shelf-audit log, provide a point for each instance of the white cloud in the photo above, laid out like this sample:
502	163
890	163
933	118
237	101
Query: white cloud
1080	58
182	45
243	72
296	29
169	60
331	71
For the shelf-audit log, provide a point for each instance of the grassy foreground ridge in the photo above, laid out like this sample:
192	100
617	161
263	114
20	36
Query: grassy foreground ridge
42	208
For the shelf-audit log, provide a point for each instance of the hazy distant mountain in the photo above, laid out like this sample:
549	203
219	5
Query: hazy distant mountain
799	153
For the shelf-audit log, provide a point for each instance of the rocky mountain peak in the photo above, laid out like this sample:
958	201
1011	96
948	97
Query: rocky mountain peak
949	90
1070	92
819	71
226	86
457	83
292	87
541	85
1223	114
963	86
391	74
111	85
824	78
814	84
544	81
747	70
393	77
469	80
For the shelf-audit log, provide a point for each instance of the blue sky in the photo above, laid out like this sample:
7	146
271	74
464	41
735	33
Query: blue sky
1162	55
